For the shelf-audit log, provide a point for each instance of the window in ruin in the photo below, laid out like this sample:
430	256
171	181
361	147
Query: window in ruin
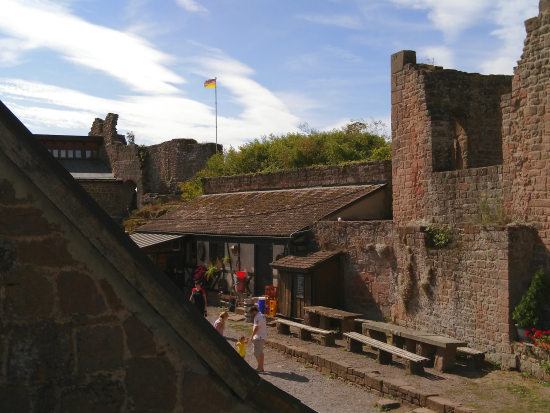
459	146
88	154
78	154
63	153
55	153
70	153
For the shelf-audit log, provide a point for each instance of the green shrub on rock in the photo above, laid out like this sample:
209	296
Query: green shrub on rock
528	312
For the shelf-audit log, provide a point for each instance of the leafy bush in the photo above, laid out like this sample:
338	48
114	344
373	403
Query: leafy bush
528	312
491	211
440	237
356	141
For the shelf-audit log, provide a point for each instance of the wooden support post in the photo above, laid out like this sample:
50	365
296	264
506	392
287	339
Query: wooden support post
428	351
384	357
348	326
444	359
283	329
410	345
397	341
327	340
415	367
354	346
312	320
304	334
377	335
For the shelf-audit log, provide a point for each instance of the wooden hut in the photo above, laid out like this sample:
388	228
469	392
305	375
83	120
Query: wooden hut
313	280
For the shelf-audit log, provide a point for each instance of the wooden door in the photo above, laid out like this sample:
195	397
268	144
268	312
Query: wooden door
284	293
263	271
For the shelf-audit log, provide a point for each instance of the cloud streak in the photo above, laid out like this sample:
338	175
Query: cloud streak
191	5
345	21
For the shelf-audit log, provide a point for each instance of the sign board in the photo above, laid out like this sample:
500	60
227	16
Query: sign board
300	288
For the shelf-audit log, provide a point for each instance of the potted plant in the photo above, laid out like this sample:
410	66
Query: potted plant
226	259
539	338
527	313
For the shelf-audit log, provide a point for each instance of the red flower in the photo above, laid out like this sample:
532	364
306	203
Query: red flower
533	329
534	343
521	342
527	333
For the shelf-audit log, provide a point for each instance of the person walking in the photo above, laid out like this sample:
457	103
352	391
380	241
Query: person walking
198	297
219	324
259	336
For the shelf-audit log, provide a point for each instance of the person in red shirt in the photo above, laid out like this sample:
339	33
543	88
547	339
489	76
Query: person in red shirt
198	297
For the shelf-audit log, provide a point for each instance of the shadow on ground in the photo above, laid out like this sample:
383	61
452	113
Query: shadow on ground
287	376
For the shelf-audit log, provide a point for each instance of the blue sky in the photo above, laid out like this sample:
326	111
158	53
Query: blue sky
279	63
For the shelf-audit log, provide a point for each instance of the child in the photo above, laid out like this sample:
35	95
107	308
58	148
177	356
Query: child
219	325
241	346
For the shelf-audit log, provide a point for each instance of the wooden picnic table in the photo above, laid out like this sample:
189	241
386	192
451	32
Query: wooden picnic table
440	350
320	316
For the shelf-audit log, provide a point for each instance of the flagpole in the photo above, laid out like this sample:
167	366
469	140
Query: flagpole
216	99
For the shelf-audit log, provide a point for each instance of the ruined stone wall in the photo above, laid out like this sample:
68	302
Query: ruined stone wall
467	290
107	194
175	161
442	120
526	128
74	335
353	173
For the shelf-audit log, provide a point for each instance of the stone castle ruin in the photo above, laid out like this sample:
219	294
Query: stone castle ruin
470	165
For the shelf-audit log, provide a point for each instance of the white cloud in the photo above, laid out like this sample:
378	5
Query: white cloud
11	51
191	5
442	56
124	56
343	53
509	15
451	16
348	22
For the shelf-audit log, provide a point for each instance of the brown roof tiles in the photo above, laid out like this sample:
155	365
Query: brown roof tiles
292	262
257	213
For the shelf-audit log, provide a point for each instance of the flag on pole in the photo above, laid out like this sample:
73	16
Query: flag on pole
210	83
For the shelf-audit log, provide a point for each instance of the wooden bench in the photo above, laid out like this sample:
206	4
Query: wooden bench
440	350
304	331
475	358
415	363
319	316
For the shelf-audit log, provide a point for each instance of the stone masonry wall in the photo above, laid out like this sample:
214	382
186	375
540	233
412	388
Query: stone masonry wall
442	120
107	194
73	335
353	173
467	290
175	161
526	130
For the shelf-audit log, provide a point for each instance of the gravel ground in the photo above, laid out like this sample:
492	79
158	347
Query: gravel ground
306	384
487	390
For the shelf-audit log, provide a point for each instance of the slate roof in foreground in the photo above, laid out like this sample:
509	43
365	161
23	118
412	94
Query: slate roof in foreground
277	213
293	262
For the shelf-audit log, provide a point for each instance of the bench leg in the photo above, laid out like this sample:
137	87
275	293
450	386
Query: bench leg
410	345
415	367
283	329
327	340
384	357
377	335
348	326
397	341
324	322
354	346
312	320
444	358
304	334
475	361
428	351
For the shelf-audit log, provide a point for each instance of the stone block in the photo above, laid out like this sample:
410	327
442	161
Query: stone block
50	252
100	396
14	399
40	351
151	384
28	294
23	221
112	299
400	59
100	348
78	294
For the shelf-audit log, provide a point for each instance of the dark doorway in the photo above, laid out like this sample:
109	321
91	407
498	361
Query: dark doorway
263	272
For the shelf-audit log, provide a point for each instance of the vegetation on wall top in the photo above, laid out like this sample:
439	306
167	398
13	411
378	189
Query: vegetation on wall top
358	141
